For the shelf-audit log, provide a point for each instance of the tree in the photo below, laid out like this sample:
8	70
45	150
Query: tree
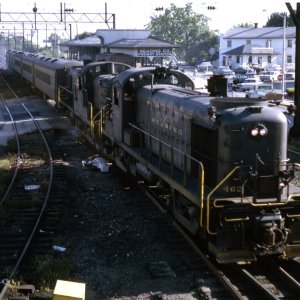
245	25
54	40
182	27
83	35
276	20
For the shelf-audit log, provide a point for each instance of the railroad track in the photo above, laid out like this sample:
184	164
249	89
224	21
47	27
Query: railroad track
254	281
29	207
266	279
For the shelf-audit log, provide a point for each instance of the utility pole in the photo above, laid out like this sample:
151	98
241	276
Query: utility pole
295	131
26	22
283	55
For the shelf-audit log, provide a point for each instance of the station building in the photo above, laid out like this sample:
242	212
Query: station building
135	47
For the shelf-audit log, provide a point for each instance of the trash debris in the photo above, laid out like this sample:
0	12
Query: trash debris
98	163
59	248
31	187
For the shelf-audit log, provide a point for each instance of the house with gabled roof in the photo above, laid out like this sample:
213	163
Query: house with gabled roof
258	47
135	47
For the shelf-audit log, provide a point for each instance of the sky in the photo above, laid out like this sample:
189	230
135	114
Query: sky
135	14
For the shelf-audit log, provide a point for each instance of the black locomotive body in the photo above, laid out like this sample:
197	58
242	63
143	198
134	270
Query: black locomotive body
222	162
219	166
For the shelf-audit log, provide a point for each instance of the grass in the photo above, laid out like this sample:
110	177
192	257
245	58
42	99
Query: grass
48	269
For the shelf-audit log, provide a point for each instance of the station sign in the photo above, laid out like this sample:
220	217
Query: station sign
154	52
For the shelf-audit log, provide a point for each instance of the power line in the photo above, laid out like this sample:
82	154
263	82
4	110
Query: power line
45	21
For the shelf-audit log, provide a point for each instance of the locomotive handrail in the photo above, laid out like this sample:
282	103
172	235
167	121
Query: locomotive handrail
92	124
292	196
251	203
293	216
209	196
63	88
221	199
270	203
201	167
60	89
237	219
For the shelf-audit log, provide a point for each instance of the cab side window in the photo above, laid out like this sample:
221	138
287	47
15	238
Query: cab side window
116	96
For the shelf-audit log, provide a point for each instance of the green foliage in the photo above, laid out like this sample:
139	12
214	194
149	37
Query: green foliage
49	269
291	92
245	25
294	145
183	27
276	20
83	35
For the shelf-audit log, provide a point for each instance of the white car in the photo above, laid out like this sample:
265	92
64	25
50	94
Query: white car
223	70
249	84
264	91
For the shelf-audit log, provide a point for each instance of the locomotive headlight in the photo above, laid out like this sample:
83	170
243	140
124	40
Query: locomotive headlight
259	130
263	131
255	132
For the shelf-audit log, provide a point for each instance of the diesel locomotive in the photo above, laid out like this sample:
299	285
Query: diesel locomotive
218	165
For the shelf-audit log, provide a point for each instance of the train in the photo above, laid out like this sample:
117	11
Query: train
218	166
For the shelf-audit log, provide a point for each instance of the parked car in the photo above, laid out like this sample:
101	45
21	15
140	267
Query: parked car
206	68
264	91
223	70
244	70
249	84
287	85
269	76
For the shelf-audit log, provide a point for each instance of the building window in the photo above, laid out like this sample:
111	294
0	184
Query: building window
289	59
269	59
229	44
224	61
290	43
238	59
268	43
248	42
250	59
259	60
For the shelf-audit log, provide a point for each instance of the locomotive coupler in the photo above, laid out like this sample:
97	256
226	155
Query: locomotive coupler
269	231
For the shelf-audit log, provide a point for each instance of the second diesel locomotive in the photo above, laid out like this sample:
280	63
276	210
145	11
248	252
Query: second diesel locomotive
218	165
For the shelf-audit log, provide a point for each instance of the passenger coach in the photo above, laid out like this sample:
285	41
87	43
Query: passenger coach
44	73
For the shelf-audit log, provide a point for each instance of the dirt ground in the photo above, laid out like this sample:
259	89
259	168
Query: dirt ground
118	242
